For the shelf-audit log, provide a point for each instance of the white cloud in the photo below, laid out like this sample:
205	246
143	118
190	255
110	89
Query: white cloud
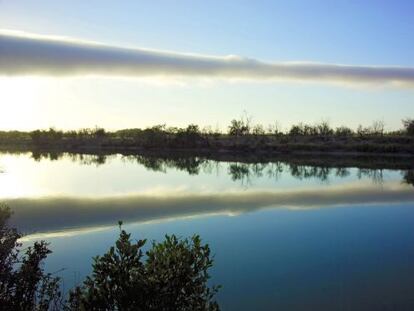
55	56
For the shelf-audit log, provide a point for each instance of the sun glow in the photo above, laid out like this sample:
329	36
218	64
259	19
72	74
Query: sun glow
20	99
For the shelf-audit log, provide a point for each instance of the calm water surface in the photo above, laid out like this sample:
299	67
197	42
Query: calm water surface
285	237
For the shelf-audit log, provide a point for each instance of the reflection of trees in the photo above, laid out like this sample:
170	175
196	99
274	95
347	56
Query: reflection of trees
306	172
274	169
244	172
238	171
52	156
342	172
191	165
376	175
89	159
84	159
408	177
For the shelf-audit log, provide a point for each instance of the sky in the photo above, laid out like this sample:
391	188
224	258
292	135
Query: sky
204	62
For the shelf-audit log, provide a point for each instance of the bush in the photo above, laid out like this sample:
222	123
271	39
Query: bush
23	283
173	277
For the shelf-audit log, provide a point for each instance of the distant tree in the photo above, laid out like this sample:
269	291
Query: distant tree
274	128
324	129
154	136
238	128
99	132
309	130
378	127
363	131
409	126
242	126
258	130
296	130
343	131
188	137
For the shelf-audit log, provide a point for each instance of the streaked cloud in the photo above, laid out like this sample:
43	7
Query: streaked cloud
54	56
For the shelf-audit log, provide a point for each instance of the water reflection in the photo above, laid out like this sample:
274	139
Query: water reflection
310	233
156	199
59	213
409	177
244	170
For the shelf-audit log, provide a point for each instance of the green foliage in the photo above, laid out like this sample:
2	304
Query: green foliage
173	277
177	272
117	281
23	283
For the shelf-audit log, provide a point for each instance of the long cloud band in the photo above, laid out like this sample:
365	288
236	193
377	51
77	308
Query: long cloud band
23	55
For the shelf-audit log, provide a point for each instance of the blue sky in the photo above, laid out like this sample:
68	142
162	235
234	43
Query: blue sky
340	32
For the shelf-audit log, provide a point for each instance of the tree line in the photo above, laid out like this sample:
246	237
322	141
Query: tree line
237	127
241	136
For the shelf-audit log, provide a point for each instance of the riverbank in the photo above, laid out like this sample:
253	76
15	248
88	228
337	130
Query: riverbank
241	139
251	145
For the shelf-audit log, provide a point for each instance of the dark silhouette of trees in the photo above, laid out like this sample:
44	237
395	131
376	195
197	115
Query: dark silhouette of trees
242	137
321	129
344	131
238	128
409	126
408	177
23	283
46	137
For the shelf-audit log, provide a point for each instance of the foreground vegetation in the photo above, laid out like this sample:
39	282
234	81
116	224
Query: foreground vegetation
172	276
241	137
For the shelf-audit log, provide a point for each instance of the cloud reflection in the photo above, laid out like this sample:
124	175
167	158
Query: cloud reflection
50	214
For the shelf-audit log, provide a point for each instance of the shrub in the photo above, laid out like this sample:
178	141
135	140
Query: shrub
173	277
23	283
